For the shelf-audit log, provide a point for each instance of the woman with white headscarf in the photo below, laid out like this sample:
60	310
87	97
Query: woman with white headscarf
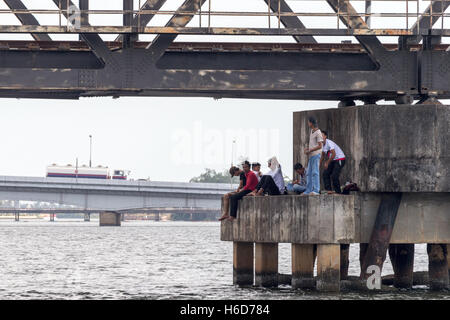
271	183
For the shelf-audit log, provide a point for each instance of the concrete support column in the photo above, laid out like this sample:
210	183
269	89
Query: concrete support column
243	259
437	266
266	264
328	267
52	217
109	219
448	260
87	217
16	216
402	259
303	257
122	217
345	251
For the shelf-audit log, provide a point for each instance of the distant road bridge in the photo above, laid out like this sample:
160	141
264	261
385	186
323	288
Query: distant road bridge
113	195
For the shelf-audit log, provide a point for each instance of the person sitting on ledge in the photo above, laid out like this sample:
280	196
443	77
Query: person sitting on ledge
234	172
252	181
333	165
256	168
298	186
271	183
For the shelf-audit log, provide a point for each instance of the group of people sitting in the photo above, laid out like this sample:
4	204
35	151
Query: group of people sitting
253	183
321	151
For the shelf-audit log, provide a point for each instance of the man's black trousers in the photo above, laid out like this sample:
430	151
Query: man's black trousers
331	175
268	185
234	199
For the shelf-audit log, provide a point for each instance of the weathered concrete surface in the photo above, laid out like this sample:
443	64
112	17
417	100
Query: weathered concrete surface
391	148
294	219
110	219
421	218
327	219
328	267
243	256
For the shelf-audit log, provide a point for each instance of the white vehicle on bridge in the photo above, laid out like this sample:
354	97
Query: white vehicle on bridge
85	172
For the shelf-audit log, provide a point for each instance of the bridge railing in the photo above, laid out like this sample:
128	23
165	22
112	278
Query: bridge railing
280	17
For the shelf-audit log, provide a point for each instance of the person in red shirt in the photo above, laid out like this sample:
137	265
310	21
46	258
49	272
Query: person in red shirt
251	183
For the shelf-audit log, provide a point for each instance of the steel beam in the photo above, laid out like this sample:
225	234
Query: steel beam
169	31
84	16
127	22
321	61
163	41
427	19
148	79
49	59
349	16
289	22
26	18
142	19
98	46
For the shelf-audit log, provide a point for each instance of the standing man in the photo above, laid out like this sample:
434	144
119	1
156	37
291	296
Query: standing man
252	181
314	152
333	165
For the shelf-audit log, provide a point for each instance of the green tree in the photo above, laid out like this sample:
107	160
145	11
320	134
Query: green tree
211	176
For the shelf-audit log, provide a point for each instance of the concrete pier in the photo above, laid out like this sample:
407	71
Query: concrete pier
243	258
438	266
266	264
402	259
399	156
331	222
110	219
52	217
87	217
303	256
328	267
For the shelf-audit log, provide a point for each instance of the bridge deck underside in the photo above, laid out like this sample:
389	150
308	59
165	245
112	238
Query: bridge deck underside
367	71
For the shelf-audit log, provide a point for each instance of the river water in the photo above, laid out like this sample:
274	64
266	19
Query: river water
144	260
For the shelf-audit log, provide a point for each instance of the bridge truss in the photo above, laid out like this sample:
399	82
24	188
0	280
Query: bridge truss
140	57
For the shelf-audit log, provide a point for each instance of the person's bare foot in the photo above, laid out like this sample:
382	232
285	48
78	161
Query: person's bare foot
223	218
260	192
230	218
253	193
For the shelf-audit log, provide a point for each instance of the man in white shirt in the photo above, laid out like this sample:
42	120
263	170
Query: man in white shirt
256	168
333	159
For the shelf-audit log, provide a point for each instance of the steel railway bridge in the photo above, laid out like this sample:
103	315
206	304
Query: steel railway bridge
414	66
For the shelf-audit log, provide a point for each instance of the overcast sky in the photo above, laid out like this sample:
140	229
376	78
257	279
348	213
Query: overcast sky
170	139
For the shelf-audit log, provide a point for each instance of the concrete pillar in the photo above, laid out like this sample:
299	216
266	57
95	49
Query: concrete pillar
16	216
122	216
381	232
52	217
402	259
437	266
87	217
266	264
345	251
243	259
328	267
109	219
448	259
303	266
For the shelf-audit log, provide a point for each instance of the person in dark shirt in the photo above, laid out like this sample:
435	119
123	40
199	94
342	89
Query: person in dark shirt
251	182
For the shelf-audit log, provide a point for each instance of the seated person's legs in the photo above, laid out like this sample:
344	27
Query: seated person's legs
298	188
